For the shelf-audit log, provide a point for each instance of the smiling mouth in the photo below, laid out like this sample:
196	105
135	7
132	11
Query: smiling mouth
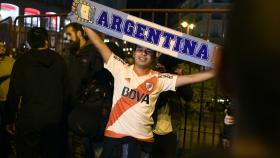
142	59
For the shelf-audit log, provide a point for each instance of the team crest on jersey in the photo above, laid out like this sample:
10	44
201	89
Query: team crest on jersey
149	86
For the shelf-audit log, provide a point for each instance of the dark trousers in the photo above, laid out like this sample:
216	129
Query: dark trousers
165	146
5	148
47	142
126	147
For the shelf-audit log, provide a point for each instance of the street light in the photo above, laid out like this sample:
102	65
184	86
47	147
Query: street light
185	24
191	26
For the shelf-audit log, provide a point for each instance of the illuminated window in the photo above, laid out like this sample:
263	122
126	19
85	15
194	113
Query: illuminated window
32	21
52	22
8	10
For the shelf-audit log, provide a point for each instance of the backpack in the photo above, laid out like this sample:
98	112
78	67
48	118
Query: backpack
90	116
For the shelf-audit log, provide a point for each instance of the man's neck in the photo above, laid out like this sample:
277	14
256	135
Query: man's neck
141	70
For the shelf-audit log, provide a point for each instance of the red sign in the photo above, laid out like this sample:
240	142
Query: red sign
31	11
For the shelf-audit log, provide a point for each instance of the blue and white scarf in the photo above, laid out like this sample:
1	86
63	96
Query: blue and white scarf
142	32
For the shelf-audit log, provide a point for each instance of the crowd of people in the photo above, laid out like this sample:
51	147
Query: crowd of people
92	97
49	94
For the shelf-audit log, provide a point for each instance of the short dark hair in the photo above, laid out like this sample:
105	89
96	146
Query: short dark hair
37	36
76	27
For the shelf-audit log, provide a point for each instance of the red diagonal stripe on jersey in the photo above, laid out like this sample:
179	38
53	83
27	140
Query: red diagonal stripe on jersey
124	103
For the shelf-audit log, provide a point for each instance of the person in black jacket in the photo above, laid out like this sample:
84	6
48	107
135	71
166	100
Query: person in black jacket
37	100
86	70
82	59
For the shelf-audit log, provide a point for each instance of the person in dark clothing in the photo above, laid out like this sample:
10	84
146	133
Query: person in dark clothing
37	100
6	65
229	125
168	112
251	52
86	71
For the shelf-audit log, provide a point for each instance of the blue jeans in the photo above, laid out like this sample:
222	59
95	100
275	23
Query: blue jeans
91	147
126	147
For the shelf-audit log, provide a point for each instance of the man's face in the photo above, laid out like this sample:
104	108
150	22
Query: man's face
72	37
2	48
144	57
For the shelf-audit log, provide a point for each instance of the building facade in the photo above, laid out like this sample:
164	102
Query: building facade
210	26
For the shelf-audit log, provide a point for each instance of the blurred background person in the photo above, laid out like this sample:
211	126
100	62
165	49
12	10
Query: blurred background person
6	65
22	49
250	73
169	111
229	123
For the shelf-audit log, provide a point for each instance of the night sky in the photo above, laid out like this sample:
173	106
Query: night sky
159	18
153	3
130	3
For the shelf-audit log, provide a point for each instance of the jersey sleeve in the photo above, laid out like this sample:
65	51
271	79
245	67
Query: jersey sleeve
167	81
115	64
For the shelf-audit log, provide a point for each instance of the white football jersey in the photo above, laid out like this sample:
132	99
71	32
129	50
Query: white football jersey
134	99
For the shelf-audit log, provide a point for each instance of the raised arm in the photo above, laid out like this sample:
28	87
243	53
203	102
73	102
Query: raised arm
194	78
202	76
99	44
96	41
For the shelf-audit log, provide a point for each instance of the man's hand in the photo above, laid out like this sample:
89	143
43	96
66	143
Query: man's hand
74	6
229	120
